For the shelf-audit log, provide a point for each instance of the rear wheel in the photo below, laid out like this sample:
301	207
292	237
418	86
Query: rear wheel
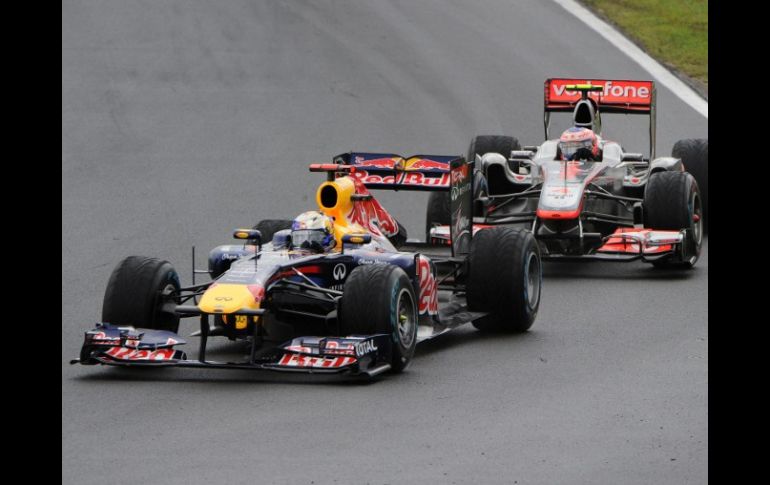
379	298
672	202
136	292
694	153
504	279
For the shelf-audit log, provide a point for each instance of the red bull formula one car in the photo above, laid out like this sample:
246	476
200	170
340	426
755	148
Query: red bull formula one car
600	202
346	302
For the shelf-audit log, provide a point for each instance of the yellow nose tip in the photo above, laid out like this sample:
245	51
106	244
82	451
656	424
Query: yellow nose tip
227	299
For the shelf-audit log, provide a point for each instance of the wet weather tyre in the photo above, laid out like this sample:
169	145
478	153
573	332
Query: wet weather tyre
694	153
269	227
136	292
504	279
672	202
501	144
440	205
438	213
379	298
399	238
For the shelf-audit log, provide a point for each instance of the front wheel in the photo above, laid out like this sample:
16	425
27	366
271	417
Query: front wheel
398	239
483	144
379	298
504	279
672	202
137	291
439	211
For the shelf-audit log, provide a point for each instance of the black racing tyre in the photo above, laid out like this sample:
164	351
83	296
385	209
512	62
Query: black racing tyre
136	292
672	202
269	227
504	278
694	153
440	204
379	298
399	239
438	214
501	144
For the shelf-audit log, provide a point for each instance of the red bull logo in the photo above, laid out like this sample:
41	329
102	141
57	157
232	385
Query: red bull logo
424	164
413	178
383	163
418	178
401	164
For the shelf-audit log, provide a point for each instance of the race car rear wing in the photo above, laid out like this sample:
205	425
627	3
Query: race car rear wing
388	171
615	96
395	172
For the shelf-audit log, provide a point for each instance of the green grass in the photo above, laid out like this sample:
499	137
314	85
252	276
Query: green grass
673	31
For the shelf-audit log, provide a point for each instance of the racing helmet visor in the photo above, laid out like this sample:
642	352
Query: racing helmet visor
307	237
569	148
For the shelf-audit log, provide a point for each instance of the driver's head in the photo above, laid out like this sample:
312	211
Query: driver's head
579	143
312	230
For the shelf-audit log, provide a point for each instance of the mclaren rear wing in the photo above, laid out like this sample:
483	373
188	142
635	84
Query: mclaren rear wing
388	171
607	96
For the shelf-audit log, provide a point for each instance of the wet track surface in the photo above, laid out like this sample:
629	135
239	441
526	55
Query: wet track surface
183	120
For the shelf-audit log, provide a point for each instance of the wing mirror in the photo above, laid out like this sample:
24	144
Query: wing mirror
355	239
519	154
633	157
251	236
247	234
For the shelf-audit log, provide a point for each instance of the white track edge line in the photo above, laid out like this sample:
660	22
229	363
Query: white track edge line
658	71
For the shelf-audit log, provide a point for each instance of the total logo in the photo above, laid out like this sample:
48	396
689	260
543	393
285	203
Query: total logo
365	347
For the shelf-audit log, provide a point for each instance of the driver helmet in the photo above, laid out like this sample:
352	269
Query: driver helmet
313	230
579	143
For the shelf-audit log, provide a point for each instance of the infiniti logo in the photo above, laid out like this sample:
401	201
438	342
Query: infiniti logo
339	272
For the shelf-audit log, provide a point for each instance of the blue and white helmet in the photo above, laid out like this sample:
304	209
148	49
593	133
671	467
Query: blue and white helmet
313	230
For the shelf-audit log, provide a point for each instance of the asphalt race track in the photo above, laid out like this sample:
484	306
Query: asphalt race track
182	120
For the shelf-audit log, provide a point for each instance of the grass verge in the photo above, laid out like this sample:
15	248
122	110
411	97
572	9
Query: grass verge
675	32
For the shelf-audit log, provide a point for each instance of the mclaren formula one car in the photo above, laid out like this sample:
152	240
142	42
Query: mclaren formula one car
356	308
601	204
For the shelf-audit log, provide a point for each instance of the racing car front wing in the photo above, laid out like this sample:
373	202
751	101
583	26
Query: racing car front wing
624	245
362	355
632	244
